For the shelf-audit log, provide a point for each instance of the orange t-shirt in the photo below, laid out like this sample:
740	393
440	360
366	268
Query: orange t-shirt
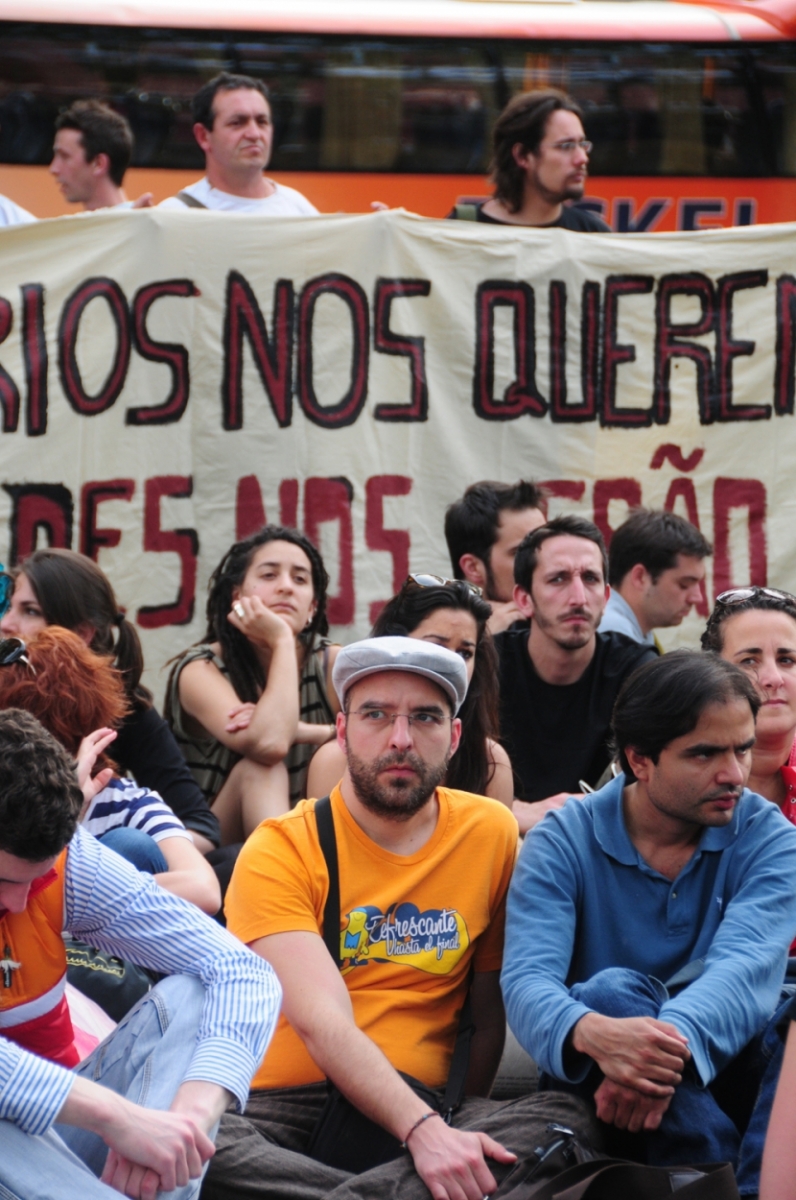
411	926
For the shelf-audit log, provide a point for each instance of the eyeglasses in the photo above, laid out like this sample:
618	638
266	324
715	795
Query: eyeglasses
570	145
741	595
13	650
432	581
426	724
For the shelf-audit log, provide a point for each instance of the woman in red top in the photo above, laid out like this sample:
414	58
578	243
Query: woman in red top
755	627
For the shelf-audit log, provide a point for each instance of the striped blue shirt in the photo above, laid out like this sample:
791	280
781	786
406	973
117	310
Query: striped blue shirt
124	803
114	907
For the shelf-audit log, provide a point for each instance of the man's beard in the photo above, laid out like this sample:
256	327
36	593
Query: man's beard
569	640
402	798
570	191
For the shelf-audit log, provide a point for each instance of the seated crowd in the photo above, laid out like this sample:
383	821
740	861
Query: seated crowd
359	810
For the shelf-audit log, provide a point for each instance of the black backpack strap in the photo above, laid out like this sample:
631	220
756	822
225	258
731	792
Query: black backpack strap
460	1061
190	201
331	912
466	212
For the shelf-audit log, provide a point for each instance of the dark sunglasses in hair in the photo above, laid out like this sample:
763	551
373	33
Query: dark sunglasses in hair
13	650
432	581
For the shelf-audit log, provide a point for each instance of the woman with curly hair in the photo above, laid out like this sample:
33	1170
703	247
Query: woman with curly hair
450	613
251	703
79	697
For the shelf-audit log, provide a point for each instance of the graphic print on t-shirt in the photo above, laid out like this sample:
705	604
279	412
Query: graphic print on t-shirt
433	940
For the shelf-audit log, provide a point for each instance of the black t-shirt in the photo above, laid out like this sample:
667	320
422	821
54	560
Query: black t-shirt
579	219
556	735
145	746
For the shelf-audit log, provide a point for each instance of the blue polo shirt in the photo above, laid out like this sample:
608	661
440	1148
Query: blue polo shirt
583	899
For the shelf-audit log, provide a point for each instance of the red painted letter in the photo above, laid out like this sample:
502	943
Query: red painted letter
182	542
394	541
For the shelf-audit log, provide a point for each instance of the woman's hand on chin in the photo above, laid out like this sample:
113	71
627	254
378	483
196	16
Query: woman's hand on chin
259	624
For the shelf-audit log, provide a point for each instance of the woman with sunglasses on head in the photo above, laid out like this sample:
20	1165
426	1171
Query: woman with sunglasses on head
250	704
450	613
61	587
755	628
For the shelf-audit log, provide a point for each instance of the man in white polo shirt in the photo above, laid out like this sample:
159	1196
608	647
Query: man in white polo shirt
234	128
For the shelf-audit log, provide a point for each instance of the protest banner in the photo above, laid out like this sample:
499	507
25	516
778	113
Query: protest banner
168	381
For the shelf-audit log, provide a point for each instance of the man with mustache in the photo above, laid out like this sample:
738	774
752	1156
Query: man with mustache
559	680
540	157
649	924
417	921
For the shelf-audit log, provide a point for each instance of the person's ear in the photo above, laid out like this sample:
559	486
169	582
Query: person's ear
473	569
523	601
85	632
639	578
456	734
340	721
521	155
202	135
640	764
101	164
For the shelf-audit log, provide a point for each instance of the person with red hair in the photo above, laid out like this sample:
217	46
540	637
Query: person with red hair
79	697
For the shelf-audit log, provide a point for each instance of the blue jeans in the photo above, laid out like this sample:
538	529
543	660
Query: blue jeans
697	1126
145	1059
137	847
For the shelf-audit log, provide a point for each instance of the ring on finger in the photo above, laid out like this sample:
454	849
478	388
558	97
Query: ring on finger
237	608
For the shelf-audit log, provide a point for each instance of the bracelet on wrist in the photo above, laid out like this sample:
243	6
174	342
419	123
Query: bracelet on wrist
417	1123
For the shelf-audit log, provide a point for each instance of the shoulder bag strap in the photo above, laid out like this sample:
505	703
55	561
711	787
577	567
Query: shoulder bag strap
331	912
466	212
460	1061
190	201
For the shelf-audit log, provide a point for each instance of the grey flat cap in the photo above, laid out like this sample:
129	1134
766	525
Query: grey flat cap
372	655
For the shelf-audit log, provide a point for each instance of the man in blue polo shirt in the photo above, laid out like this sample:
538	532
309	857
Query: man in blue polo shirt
649	924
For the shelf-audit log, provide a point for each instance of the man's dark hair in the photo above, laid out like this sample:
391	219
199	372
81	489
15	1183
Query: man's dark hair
523	120
654	539
202	103
102	131
471	524
40	799
664	699
566	526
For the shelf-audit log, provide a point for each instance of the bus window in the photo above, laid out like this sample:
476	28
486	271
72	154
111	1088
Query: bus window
656	109
775	68
414	105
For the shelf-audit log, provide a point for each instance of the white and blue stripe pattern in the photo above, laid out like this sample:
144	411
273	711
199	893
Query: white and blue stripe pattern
123	803
114	907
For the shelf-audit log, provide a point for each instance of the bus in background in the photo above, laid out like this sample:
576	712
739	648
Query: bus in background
691	106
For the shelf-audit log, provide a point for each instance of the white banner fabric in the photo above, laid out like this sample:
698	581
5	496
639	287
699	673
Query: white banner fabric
167	380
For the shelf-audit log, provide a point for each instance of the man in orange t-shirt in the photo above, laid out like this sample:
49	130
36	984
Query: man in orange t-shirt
423	876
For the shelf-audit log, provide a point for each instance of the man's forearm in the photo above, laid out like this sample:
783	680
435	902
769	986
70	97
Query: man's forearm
204	1103
90	1106
356	1065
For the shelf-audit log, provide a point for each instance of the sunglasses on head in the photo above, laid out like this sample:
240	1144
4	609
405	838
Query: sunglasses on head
432	581
742	594
14	650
